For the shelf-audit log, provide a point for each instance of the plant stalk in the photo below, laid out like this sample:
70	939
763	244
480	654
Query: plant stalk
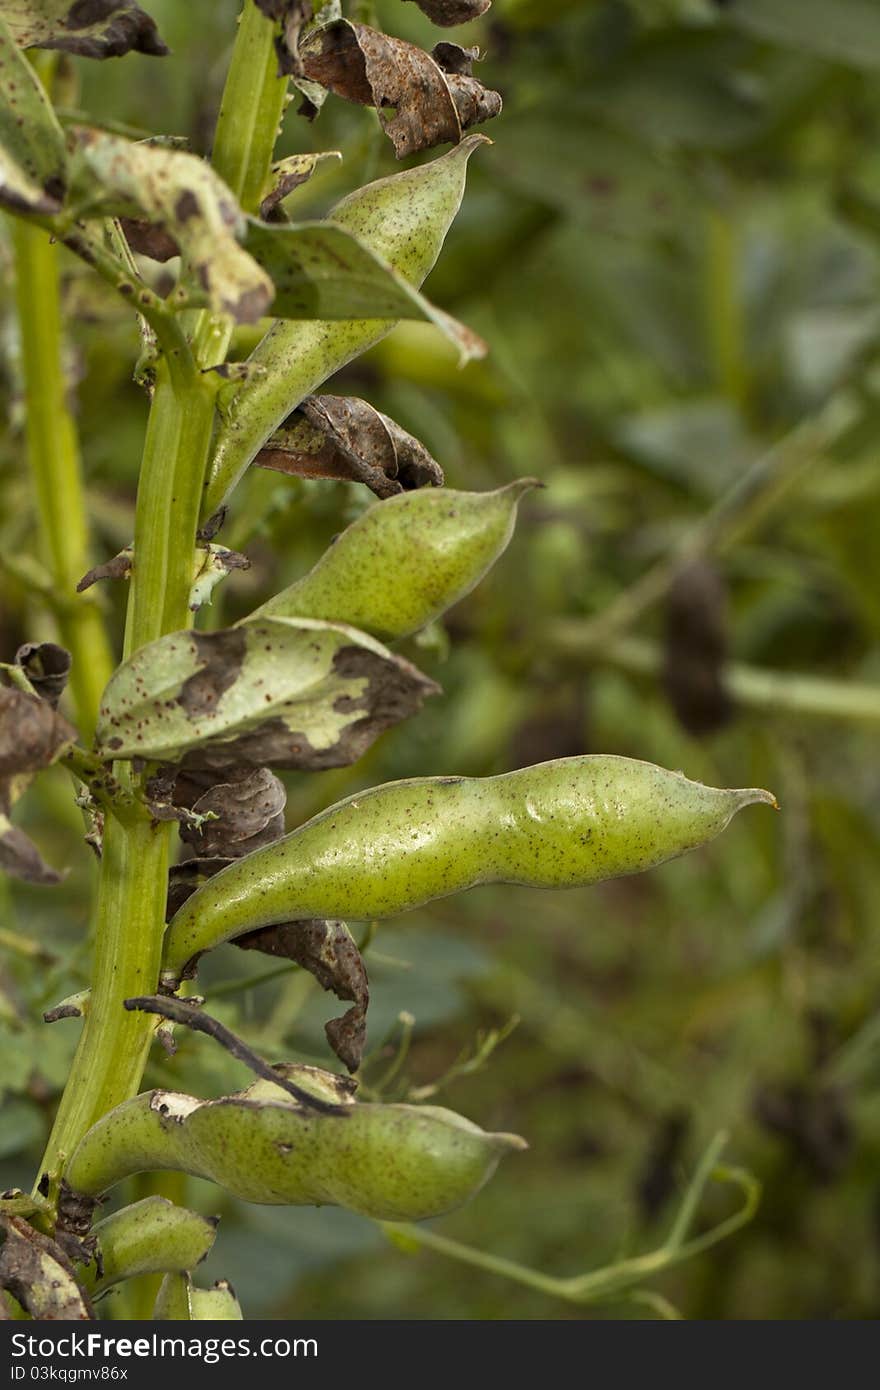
109	1063
53	459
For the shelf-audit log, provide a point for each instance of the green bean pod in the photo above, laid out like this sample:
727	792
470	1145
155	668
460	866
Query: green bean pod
149	1237
404	218
405	560
389	1162
178	1300
562	824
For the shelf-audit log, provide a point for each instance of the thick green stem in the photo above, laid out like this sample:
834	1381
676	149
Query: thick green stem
112	1052
109	1062
53	457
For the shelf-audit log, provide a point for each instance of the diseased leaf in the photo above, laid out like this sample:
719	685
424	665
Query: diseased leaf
322	271
328	951
147	239
449	12
346	438
246	811
417	103
292	16
20	857
47	667
183	196
33	156
287	175
32	733
118	567
287	693
40	1275
89	28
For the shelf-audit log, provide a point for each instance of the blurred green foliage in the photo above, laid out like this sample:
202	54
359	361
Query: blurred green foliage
674	252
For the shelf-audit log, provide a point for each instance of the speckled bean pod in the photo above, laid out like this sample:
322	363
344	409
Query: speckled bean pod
389	1162
405	560
405	219
381	852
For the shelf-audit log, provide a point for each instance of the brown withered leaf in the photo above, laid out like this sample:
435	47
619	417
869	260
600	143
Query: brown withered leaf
418	104
32	733
696	649
38	1273
346	438
47	667
328	951
20	857
119	567
449	12
88	28
292	15
248	805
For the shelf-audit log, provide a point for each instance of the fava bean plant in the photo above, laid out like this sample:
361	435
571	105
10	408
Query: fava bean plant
184	737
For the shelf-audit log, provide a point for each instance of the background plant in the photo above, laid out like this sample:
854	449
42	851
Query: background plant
643	366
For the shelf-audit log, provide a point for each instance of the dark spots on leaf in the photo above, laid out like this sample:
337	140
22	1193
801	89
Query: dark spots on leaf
186	205
220	656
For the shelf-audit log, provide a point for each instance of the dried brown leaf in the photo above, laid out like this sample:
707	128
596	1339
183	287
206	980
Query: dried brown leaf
248	806
32	733
449	12
38	1273
418	104
328	951
119	567
292	16
47	667
346	438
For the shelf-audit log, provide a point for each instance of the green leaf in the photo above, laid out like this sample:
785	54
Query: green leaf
33	159
183	195
323	271
102	30
279	692
847	31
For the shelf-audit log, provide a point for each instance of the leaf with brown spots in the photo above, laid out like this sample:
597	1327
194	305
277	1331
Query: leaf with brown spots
328	951
345	438
37	1272
417	104
449	12
287	175
182	196
282	692
47	667
88	28
33	155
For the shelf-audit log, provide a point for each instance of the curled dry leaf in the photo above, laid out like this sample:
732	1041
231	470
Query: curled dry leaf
32	736
346	438
183	196
329	952
287	175
119	567
47	667
418	104
449	12
33	155
243	812
89	28
283	692
38	1273
696	649
292	15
